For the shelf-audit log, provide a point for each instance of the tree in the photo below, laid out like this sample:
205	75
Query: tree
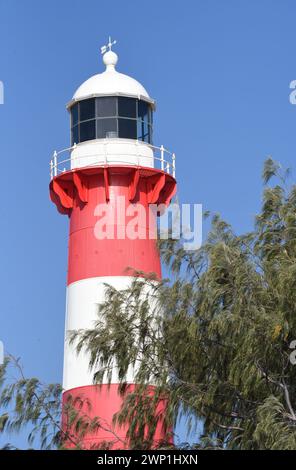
214	338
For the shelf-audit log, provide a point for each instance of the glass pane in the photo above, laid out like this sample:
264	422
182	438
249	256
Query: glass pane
75	135
146	138
107	128
87	130
150	115
74	114
144	131
127	128
87	109
150	134
140	129
143	108
106	106
127	107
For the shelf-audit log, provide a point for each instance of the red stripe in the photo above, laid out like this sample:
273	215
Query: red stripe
93	257
105	401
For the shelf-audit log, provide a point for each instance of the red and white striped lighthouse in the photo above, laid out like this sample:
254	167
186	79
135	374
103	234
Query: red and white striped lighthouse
111	158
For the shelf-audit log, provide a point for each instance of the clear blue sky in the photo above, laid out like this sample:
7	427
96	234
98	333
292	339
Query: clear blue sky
220	72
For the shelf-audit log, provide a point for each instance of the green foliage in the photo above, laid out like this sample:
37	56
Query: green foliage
29	402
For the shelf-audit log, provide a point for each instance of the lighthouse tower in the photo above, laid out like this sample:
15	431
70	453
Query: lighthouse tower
111	158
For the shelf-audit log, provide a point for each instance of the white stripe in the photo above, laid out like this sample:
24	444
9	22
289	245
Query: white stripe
82	302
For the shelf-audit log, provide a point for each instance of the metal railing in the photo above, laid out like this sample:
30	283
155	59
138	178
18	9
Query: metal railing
62	160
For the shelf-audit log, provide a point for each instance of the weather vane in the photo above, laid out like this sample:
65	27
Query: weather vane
109	45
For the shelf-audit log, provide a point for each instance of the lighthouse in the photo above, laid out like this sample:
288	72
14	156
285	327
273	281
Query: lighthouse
111	160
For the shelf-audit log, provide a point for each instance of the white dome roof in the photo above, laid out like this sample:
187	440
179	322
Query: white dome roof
110	82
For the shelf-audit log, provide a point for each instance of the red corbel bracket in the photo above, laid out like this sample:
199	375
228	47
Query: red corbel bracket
81	186
155	185
106	181
132	189
169	192
64	190
56	200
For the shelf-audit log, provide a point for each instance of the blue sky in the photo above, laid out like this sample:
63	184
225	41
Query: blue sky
220	72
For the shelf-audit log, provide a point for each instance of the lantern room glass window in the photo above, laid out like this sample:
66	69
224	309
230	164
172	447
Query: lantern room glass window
127	128
87	110
111	117
127	107
87	130
107	128
106	106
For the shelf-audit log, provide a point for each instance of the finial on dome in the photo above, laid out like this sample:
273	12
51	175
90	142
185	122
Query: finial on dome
109	57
